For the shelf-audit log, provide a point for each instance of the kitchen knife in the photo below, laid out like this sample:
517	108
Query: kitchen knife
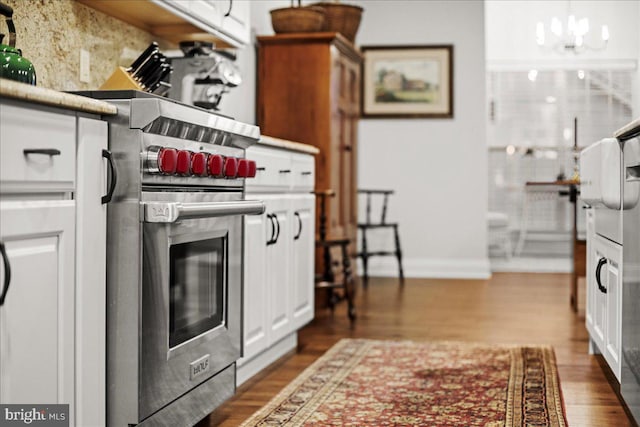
148	68
161	88
153	76
136	73
143	56
158	76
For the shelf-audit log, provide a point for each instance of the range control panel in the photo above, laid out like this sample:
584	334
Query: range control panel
175	162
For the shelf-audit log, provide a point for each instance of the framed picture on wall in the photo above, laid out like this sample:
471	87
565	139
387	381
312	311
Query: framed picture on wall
407	81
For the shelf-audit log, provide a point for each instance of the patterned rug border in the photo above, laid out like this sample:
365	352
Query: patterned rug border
557	412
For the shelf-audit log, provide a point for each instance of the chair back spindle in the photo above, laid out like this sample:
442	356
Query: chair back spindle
365	253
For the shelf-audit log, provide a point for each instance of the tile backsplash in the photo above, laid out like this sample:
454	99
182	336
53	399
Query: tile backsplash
51	34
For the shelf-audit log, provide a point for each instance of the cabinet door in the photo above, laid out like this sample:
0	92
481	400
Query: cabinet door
235	20
277	268
346	78
91	247
600	298
591	288
303	244
256	293
208	11
36	320
613	273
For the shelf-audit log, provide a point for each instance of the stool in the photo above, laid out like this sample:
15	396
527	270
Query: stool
326	278
365	254
498	231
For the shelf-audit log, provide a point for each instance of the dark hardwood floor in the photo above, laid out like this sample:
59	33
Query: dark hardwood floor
510	308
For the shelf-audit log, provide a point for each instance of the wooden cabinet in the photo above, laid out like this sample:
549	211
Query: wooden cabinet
309	91
53	227
604	297
278	257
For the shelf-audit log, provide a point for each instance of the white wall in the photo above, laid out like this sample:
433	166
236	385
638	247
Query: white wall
438	167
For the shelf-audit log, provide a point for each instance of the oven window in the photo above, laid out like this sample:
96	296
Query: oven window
197	283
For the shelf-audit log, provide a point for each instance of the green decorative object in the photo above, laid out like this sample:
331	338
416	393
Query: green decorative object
12	64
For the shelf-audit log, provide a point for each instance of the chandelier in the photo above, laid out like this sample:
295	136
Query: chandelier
571	36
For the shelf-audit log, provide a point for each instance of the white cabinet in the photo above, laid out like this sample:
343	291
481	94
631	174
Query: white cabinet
279	257
611	277
91	273
302	258
236	20
256	311
53	228
604	297
37	317
597	334
227	19
277	275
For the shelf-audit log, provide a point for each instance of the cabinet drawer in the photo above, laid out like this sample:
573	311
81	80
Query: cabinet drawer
303	172
274	170
37	130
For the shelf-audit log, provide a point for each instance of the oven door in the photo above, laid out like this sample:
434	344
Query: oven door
191	293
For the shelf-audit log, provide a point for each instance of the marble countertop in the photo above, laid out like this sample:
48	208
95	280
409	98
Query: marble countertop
40	95
288	145
629	130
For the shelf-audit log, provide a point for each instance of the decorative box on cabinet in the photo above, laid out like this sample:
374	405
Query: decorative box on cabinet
309	91
53	230
278	252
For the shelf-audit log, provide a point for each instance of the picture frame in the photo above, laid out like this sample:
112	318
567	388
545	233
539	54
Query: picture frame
407	81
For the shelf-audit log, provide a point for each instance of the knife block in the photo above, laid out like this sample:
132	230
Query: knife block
121	80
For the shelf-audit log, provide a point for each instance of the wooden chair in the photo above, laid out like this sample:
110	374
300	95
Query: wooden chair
365	254
327	277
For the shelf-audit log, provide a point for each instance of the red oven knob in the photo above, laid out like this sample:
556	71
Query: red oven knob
183	162
167	160
230	167
243	168
252	169
216	161
199	164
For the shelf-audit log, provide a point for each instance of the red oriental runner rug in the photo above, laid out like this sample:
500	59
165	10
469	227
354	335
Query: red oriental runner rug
401	383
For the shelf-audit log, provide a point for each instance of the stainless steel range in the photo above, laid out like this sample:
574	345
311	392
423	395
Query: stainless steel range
174	259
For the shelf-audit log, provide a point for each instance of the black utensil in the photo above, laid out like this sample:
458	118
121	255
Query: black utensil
148	67
143	56
136	73
158	75
154	75
161	88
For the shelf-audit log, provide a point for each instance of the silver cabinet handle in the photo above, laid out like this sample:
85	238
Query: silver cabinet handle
167	212
633	173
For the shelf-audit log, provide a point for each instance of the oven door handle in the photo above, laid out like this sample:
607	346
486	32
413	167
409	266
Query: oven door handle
168	212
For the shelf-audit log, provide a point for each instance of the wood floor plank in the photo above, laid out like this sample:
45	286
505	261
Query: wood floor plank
510	308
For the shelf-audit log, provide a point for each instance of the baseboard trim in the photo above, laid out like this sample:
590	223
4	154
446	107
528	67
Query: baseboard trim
441	268
248	368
